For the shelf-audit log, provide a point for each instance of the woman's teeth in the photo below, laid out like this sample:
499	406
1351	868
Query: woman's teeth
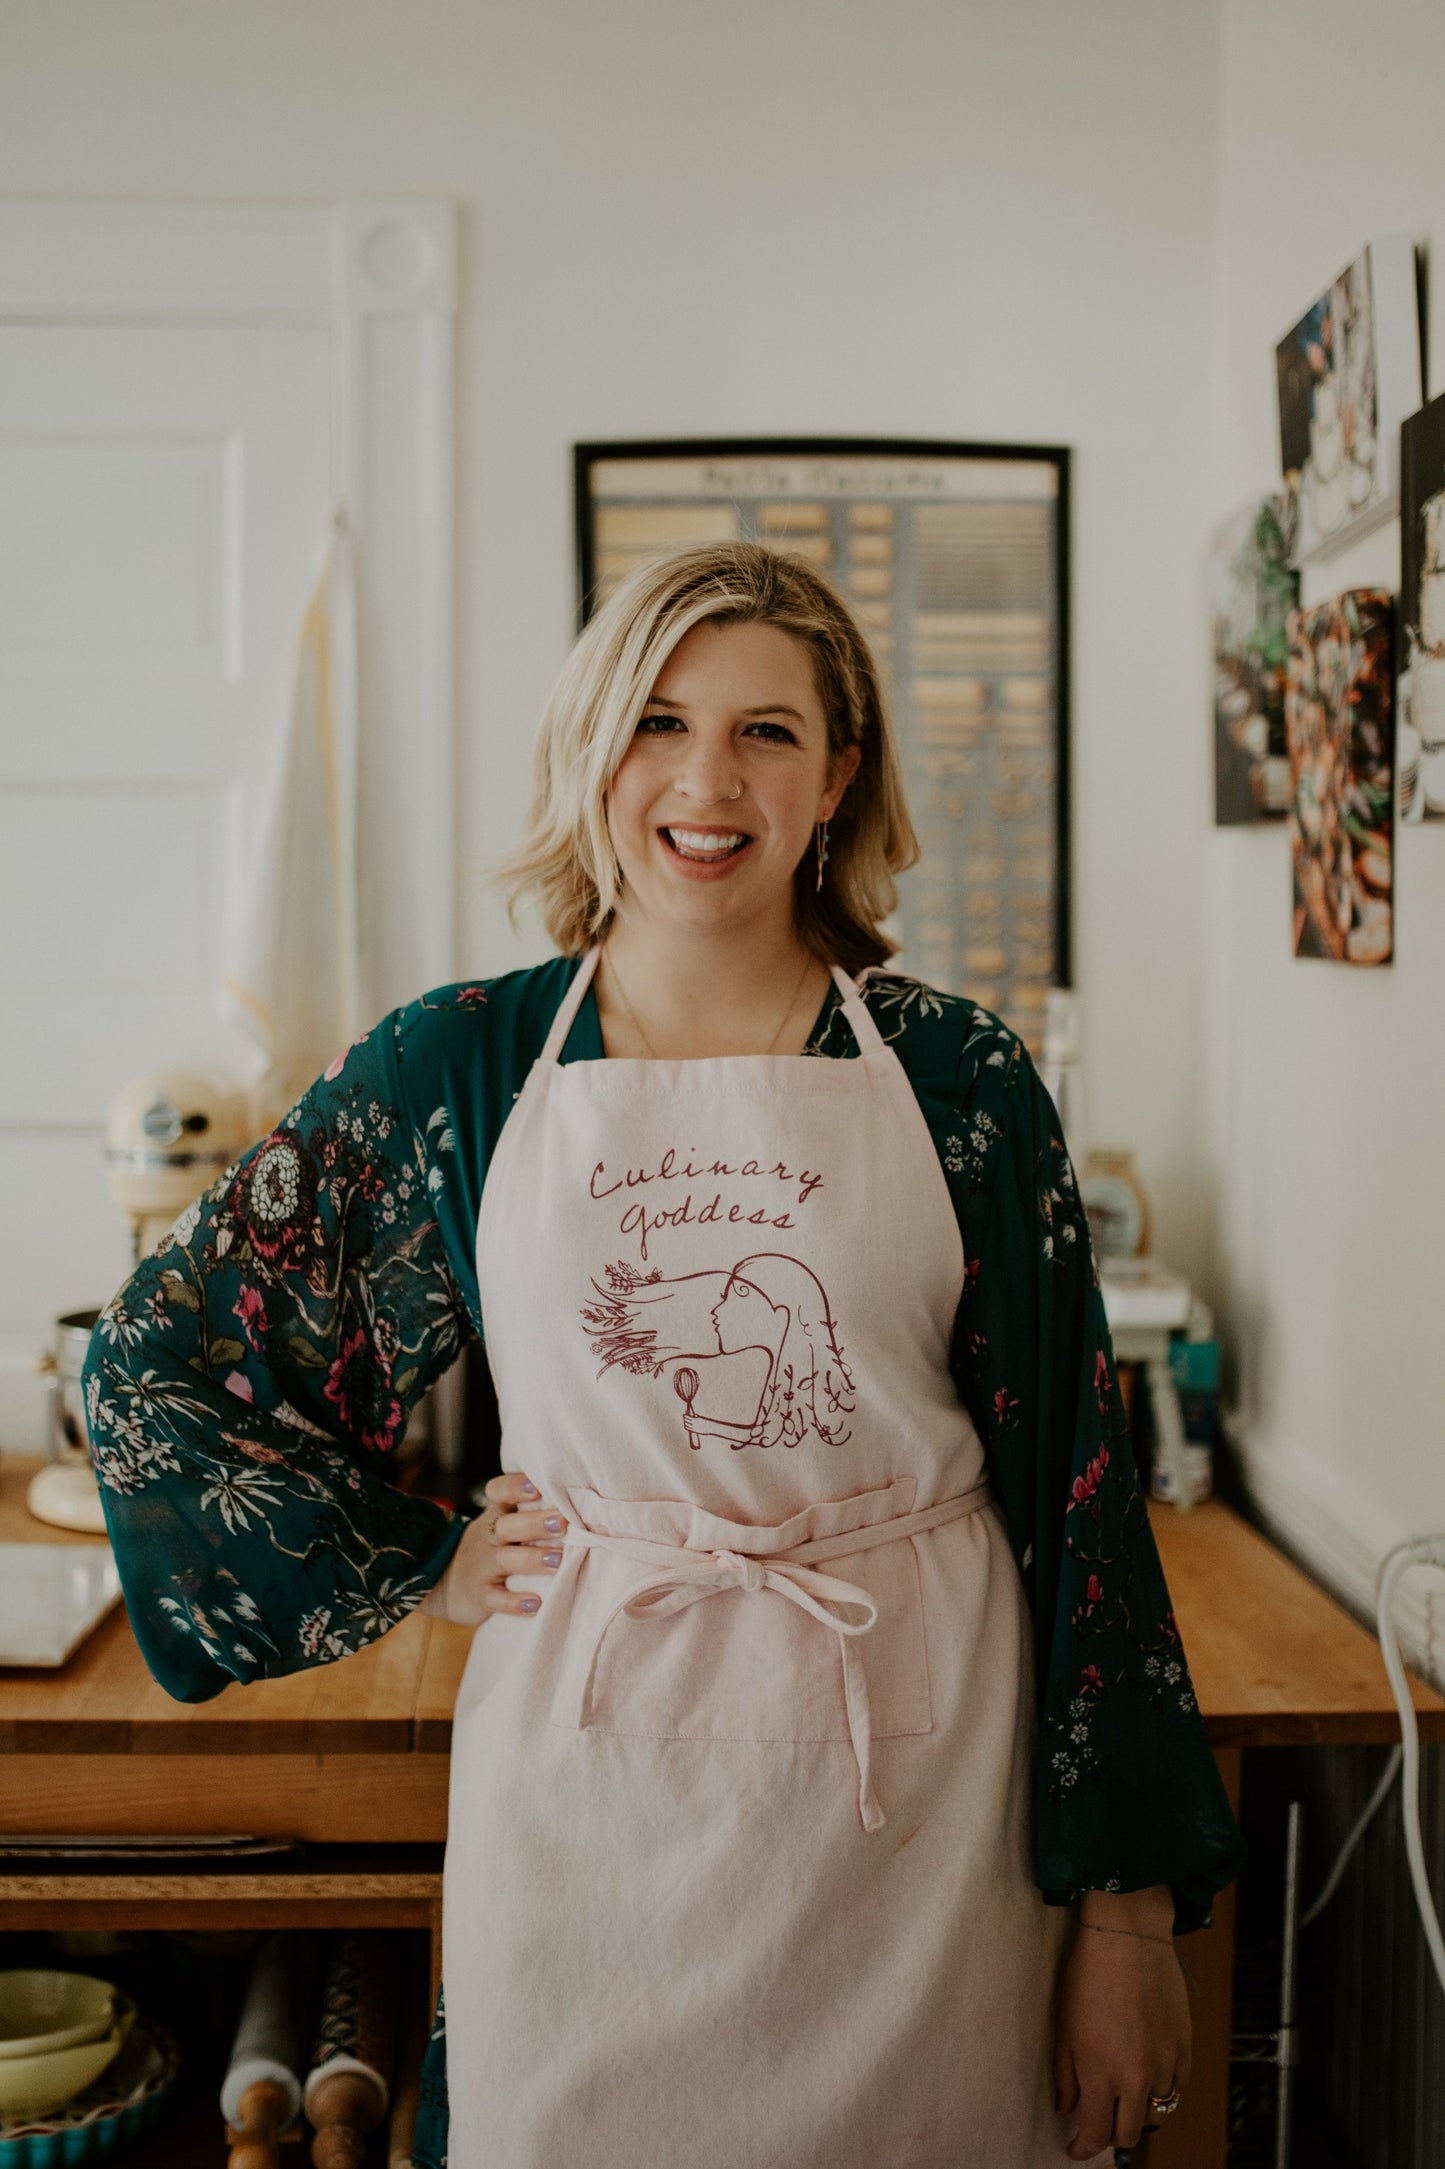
692	843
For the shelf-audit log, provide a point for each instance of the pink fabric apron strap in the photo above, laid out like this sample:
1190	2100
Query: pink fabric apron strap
682	1575
566	1015
864	1029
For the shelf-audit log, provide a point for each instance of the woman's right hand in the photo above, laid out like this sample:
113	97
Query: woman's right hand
517	1532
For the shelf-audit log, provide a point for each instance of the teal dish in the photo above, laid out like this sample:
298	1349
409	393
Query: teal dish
104	2119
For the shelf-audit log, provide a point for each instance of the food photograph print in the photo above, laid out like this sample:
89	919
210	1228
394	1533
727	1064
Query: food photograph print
1252	590
1348	374
1339	716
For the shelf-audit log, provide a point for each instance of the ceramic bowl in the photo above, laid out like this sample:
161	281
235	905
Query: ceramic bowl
37	2085
104	2117
44	2011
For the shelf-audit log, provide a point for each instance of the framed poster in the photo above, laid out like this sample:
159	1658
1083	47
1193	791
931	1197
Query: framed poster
1348	374
954	558
1420	738
1339	714
1252	590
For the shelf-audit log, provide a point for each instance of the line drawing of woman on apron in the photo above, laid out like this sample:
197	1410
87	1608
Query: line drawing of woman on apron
795	1808
775	1357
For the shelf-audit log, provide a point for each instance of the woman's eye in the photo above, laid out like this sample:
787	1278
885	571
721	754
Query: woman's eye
664	725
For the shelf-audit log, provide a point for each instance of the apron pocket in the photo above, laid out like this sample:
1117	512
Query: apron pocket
745	1664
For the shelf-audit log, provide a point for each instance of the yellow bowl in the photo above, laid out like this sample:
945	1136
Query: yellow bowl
41	2011
38	2085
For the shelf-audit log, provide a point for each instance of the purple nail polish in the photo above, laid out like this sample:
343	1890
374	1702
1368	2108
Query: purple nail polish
551	1558
531	1604
553	1524
529	1489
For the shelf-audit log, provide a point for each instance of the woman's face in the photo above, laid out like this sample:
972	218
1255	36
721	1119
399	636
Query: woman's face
716	798
743	1317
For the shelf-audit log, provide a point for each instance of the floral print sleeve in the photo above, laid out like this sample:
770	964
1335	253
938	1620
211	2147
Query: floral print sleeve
1128	1793
247	1387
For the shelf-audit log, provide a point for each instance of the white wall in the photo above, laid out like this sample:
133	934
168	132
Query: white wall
1324	1084
822	216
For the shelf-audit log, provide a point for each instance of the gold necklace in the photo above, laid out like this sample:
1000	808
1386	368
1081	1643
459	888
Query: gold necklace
636	1021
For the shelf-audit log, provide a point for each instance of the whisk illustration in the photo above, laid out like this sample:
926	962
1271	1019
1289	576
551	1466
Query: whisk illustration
684	1385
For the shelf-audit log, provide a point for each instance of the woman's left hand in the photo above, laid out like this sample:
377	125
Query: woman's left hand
1122	2034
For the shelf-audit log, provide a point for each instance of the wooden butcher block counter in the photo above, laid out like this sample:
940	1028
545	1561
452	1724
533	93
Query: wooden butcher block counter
348	1753
350	1759
356	1752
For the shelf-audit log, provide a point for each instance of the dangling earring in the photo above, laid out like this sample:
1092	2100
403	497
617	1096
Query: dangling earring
822	841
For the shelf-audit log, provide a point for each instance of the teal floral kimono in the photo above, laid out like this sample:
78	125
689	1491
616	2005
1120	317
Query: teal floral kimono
248	1385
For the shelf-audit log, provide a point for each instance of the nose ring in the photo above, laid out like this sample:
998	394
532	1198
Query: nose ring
730	796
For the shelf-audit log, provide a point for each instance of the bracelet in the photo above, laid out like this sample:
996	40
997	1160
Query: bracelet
1140	1934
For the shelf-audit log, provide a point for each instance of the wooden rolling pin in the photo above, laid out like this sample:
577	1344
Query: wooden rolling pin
349	2084
262	2090
263	2112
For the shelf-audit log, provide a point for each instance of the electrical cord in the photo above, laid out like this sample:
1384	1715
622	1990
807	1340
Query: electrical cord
1342	1859
1427	1552
1403	1760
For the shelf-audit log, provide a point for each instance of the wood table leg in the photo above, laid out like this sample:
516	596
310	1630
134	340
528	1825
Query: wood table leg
1198	2136
411	2055
436	1949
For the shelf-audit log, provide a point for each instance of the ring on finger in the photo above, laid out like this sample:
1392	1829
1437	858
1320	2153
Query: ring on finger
1164	2104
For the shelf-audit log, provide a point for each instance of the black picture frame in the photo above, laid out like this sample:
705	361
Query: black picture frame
928	454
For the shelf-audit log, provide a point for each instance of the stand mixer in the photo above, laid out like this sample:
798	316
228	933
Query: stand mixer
168	1136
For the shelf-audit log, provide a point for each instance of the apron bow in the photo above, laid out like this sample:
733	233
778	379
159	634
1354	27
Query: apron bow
685	1576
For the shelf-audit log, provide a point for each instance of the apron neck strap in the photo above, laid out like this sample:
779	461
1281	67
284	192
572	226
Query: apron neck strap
865	1031
571	1002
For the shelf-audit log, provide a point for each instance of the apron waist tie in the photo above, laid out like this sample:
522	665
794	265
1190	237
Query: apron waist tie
684	1576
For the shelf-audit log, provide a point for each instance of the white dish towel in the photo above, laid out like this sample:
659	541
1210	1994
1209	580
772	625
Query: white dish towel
293	985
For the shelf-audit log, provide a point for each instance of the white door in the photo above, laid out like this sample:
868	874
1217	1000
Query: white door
164	494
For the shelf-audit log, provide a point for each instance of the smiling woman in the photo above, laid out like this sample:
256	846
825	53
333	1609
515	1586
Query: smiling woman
722	701
827	1711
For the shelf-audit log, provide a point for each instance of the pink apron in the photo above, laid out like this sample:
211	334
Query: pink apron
738	1868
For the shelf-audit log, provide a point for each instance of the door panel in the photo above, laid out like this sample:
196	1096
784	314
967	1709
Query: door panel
163	499
123	891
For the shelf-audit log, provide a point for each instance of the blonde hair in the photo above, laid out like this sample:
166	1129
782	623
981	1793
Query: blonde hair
565	858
